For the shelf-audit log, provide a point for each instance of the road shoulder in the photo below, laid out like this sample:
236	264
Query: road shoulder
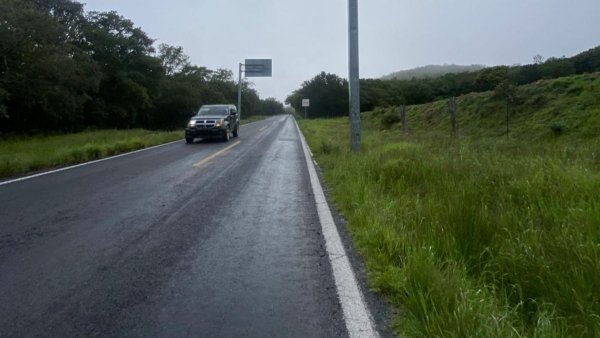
358	302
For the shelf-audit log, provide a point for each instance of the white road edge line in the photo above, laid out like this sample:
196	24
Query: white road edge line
83	164
356	313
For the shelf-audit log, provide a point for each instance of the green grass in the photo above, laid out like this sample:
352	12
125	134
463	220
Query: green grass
481	235
570	105
20	155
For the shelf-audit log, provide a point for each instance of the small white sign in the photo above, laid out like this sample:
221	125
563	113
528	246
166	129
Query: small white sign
305	103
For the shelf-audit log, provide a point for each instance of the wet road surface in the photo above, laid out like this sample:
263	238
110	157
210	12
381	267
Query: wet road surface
206	240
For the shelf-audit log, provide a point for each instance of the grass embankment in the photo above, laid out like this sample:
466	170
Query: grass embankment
19	155
481	235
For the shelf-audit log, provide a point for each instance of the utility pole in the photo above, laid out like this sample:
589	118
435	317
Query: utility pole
354	75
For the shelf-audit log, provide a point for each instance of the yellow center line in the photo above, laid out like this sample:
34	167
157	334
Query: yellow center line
218	153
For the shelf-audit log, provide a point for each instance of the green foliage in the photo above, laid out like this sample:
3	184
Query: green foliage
173	59
490	78
506	90
389	118
271	106
62	69
19	155
47	81
478	236
588	61
554	67
131	74
570	102
389	92
328	94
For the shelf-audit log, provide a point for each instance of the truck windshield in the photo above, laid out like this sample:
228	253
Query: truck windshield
204	111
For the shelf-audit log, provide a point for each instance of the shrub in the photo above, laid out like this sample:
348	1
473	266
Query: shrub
389	118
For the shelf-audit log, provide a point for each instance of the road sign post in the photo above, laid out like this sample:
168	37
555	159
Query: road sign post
305	104
253	68
239	107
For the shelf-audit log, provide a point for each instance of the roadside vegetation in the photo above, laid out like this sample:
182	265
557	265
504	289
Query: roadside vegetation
21	155
480	234
329	93
64	70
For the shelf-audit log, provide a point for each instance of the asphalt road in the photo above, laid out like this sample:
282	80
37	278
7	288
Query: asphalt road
210	239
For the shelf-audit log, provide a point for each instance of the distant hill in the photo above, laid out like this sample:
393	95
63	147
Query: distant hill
431	71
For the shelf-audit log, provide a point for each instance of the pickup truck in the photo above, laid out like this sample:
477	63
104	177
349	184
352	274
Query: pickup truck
213	121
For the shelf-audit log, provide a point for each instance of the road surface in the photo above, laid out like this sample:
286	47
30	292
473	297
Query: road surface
210	239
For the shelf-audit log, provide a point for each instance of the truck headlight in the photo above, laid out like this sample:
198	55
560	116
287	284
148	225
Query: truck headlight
219	123
192	123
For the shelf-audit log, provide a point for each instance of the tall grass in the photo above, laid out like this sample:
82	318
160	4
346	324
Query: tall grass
480	236
19	155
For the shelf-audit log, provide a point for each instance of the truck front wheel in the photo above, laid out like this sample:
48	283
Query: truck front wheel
226	135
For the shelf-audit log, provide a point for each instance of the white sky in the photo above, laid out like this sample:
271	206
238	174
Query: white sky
306	37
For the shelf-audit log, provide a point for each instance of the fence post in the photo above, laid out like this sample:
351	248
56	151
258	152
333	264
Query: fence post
452	110
507	117
403	118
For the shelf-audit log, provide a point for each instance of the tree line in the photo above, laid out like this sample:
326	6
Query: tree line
329	93
63	69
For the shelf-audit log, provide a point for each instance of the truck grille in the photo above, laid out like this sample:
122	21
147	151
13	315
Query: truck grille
205	123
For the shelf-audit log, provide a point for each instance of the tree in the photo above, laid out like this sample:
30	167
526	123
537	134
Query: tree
525	74
46	80
588	61
251	103
173	59
271	106
131	74
62	69
328	94
489	78
557	67
538	59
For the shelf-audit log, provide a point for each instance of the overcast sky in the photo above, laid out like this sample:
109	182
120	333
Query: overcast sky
306	37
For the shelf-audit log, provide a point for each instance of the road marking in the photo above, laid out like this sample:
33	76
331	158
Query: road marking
83	164
356	313
218	153
263	128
